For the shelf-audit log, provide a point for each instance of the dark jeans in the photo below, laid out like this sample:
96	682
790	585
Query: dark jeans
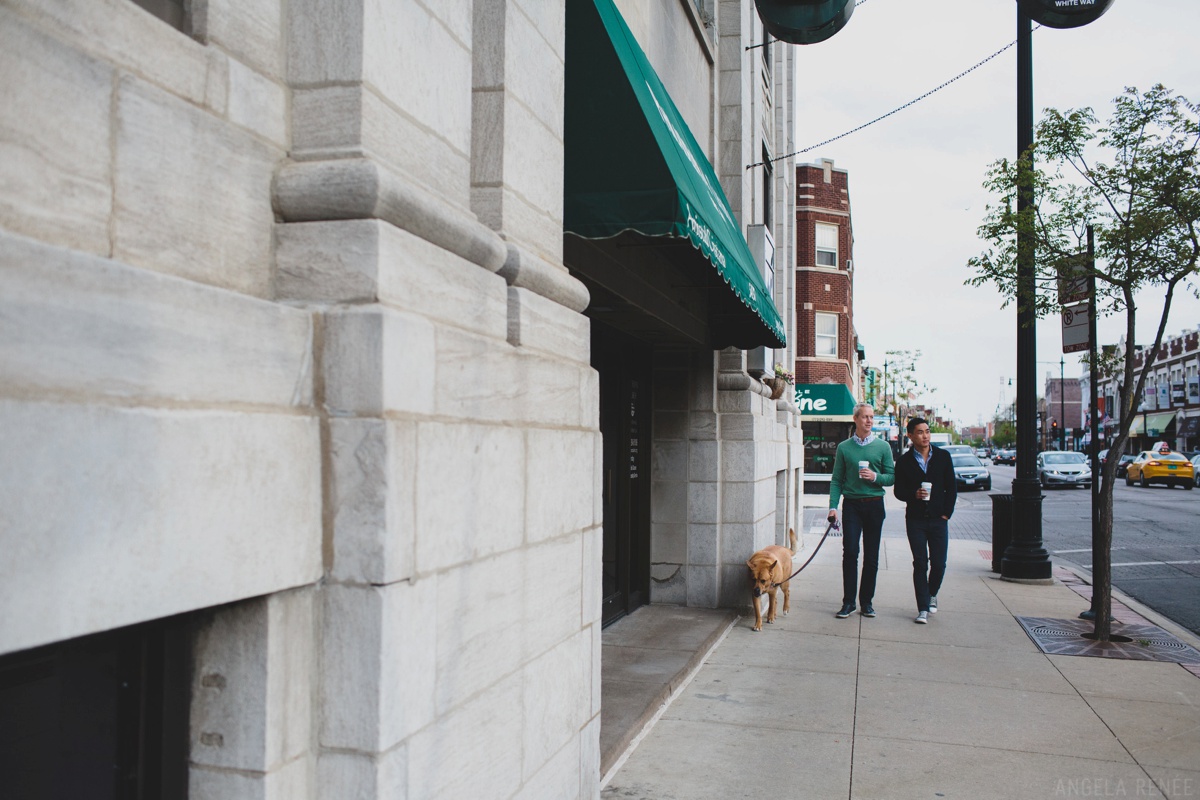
860	518
929	540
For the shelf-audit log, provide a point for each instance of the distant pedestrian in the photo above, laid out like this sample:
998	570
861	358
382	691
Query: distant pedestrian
862	466
925	483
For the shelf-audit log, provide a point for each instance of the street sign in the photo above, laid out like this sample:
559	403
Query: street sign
1064	13
1071	288
1075	328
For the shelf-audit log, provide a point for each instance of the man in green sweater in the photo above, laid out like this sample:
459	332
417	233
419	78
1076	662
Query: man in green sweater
862	466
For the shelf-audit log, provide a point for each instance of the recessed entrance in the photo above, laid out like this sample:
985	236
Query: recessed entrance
625	375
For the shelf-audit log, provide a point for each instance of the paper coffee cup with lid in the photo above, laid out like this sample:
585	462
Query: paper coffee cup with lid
863	465
927	486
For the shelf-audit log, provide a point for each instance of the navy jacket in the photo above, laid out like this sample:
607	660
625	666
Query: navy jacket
909	478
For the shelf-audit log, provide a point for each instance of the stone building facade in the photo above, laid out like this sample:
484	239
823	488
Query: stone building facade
306	426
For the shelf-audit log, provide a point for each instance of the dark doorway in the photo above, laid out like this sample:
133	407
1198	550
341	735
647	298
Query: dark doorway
625	370
102	716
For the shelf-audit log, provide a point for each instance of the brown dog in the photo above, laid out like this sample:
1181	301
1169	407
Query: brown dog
771	568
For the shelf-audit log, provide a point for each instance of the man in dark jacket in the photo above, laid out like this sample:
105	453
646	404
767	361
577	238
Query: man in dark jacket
925	483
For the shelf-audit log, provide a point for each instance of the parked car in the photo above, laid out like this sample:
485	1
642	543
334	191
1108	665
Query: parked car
1005	456
1063	468
970	473
1123	464
1196	470
957	449
1156	466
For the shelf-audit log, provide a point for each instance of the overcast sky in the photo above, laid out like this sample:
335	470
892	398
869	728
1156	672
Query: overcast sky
915	178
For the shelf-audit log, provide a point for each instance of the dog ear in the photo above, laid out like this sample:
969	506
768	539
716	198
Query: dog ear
750	563
774	563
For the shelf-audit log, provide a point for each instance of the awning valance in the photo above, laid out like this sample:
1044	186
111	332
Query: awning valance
633	165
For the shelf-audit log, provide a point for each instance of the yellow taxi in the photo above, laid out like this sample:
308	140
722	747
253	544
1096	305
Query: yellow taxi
1161	465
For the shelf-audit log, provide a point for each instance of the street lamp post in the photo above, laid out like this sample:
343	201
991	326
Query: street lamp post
1025	559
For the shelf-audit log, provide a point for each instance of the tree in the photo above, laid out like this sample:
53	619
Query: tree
900	389
1004	432
1134	179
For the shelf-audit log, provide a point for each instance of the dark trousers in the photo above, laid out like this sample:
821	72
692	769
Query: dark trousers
929	539
861	519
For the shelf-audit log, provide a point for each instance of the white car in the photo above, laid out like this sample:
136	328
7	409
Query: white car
1063	468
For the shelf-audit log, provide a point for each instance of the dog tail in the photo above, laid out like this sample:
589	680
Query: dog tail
792	539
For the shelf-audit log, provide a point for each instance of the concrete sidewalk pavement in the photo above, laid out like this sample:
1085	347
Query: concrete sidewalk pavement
966	706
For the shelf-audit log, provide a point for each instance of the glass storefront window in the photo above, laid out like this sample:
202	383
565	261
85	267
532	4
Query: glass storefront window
820	442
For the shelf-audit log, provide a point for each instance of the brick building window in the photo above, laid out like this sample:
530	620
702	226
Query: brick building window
826	335
827	245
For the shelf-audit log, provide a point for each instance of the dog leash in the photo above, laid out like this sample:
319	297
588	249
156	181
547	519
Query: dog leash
833	523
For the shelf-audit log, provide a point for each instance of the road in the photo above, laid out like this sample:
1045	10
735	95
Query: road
1156	539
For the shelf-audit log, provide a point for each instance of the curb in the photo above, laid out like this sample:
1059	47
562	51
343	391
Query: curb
1175	629
662	701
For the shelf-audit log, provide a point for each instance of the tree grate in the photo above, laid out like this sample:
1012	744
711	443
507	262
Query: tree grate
1147	642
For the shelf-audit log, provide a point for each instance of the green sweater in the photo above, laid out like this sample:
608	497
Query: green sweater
845	480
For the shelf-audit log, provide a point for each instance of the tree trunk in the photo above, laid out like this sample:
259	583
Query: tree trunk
1102	554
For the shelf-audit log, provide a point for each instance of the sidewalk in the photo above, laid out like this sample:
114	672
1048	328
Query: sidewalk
966	706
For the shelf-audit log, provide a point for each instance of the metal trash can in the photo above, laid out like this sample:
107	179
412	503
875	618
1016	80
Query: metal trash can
1002	527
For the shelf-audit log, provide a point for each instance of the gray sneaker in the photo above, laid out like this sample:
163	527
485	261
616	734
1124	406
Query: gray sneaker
922	618
933	605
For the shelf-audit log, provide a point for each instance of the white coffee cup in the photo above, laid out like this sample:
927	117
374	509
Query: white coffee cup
927	487
863	465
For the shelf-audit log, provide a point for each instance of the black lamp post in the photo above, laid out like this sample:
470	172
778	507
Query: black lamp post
1026	559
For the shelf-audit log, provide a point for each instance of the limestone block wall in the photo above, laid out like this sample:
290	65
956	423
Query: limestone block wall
160	447
286	342
422	226
724	467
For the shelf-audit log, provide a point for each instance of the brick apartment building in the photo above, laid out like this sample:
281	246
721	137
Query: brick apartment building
827	354
826	341
1063	421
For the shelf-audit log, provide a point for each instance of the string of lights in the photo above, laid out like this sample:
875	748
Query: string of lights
910	103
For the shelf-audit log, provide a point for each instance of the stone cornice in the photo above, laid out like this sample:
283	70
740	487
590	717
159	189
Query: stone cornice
359	188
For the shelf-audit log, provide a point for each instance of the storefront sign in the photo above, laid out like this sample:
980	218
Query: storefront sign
825	401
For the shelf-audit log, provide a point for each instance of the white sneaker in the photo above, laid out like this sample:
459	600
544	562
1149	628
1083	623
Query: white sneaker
933	605
922	618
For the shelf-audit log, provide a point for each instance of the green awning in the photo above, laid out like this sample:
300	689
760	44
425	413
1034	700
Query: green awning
1155	423
633	165
825	402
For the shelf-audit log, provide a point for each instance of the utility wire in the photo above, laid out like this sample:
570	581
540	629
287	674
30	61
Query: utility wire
962	74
